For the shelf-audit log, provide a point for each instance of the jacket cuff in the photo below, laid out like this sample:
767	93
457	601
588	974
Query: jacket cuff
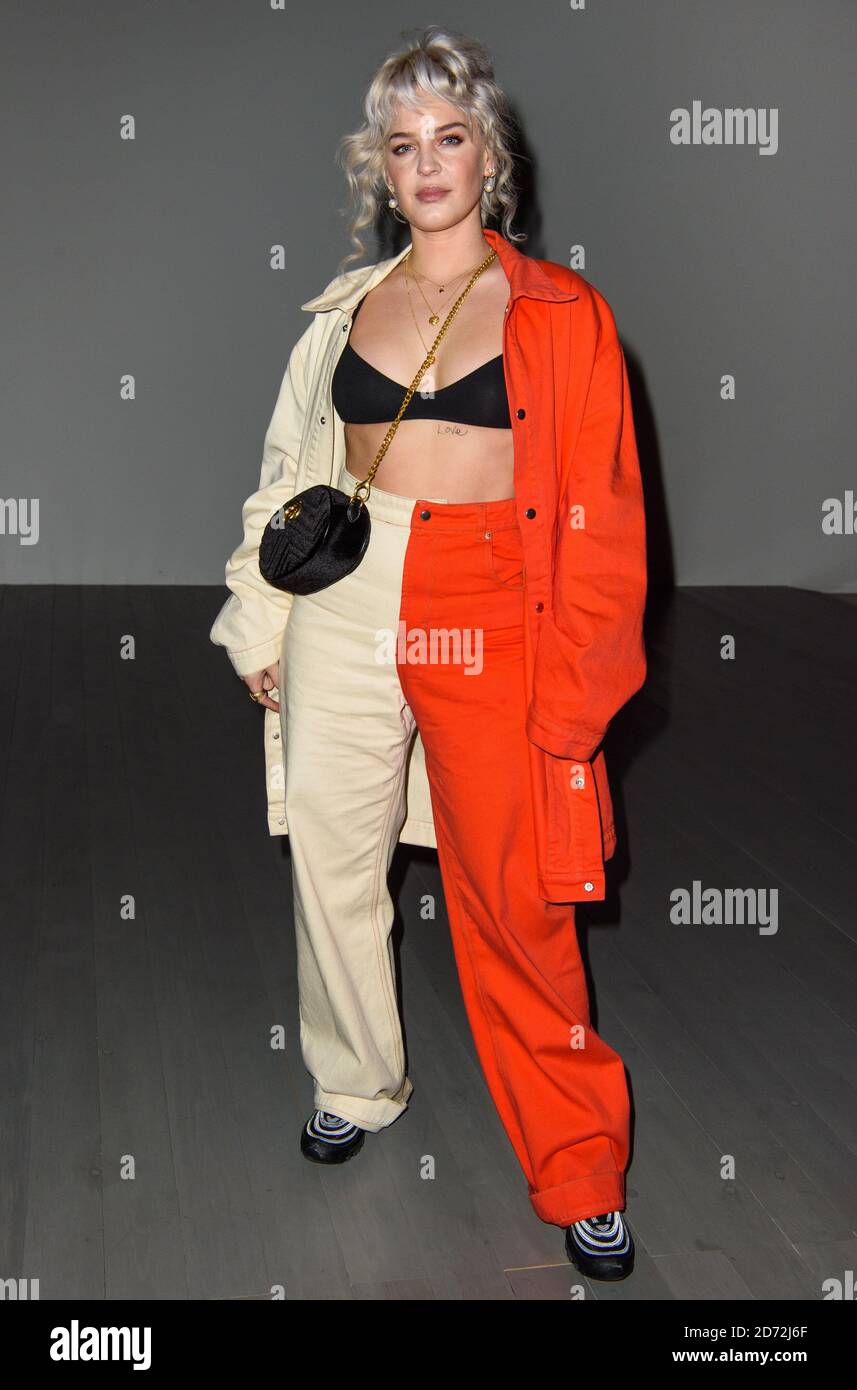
563	741
251	659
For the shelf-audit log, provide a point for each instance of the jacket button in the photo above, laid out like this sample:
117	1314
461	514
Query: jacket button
531	511
521	414
589	887
424	515
539	606
282	820
322	420
277	734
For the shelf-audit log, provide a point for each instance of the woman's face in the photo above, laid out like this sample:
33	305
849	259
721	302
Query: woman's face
432	150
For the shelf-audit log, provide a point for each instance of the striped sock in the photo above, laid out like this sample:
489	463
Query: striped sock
331	1128
601	1235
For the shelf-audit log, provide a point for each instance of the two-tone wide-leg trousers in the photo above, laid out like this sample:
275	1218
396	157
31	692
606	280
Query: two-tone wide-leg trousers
427	632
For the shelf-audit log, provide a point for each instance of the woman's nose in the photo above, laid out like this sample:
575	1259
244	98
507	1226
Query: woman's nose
427	162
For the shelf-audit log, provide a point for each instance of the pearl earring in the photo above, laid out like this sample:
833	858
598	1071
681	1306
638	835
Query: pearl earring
392	204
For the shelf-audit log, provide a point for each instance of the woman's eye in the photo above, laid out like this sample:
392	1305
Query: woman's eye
397	149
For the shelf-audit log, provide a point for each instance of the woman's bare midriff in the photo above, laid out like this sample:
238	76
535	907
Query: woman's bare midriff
433	458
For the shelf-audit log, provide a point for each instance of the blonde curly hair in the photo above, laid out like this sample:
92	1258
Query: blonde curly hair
458	70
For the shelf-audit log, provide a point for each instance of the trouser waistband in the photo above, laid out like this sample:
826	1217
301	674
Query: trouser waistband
468	517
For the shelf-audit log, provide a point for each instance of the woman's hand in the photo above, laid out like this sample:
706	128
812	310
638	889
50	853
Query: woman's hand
269	679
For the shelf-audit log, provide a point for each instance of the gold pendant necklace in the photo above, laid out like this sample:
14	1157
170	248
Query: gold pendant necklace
433	317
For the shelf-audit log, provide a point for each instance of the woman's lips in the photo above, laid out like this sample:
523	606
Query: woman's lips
432	195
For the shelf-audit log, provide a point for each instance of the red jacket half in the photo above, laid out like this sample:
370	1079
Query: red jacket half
581	514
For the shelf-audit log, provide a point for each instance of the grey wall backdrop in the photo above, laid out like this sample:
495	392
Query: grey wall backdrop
151	257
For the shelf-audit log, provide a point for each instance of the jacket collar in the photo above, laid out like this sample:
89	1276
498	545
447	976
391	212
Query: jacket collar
524	273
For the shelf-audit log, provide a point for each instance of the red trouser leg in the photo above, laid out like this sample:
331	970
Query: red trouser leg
559	1089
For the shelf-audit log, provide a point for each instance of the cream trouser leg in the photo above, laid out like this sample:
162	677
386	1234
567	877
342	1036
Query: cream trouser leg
347	729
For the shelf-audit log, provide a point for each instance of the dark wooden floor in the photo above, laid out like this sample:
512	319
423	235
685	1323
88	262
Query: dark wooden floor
141	1040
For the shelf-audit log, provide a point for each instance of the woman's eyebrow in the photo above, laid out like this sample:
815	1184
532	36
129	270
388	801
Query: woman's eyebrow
407	134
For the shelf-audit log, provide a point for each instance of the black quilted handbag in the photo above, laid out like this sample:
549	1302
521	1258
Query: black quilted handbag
321	535
317	538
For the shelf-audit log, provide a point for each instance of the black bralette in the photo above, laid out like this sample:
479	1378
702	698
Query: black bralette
364	396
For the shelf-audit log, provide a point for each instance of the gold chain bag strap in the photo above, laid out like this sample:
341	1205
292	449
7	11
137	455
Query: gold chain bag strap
321	535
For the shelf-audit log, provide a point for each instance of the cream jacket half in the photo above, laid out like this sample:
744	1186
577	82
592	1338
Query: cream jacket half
304	445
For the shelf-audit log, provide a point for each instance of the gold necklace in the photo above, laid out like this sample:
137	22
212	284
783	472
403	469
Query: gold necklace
414	317
434	282
433	317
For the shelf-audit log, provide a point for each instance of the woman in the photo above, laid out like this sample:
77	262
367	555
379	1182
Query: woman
495	619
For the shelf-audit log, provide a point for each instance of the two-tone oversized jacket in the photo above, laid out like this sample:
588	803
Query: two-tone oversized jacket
581	519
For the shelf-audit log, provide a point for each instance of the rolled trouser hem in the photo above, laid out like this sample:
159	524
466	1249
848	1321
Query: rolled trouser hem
582	1197
370	1115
